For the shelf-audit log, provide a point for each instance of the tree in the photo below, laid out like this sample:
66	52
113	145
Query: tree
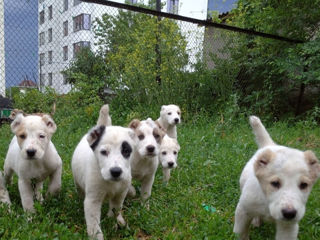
128	41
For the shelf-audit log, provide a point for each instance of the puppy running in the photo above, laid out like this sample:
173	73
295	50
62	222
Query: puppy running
168	156
4	195
170	116
145	159
33	157
275	185
101	170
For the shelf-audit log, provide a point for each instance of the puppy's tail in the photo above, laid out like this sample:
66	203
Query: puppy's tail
263	138
104	117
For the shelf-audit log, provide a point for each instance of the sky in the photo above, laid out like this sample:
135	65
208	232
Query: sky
221	5
21	40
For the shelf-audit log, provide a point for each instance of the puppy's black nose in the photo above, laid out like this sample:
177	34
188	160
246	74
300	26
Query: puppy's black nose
150	148
115	172
31	152
289	213
176	120
170	164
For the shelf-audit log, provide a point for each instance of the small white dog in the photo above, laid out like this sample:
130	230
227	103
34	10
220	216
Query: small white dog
170	116
169	150
275	185
101	171
32	156
145	159
4	195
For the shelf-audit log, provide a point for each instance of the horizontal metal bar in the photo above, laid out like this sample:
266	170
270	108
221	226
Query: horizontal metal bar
192	20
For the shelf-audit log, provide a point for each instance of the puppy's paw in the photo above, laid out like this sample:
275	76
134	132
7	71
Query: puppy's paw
256	222
131	192
120	220
254	121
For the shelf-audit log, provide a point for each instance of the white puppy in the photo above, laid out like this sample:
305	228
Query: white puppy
101	171
4	195
275	185
169	150
33	157
170	116
145	159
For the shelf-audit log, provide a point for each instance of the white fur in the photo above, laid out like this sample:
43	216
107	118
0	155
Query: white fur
33	133
144	163
92	168
170	116
168	155
271	186
104	117
4	195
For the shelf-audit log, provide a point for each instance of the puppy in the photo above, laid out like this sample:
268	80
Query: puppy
4	195
32	156
170	116
145	161
275	185
101	171
169	150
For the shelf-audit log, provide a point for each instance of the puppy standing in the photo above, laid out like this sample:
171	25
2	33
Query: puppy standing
275	185
32	156
101	170
170	116
145	159
168	156
4	195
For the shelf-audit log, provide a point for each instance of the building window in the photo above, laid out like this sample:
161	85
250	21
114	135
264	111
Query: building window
50	57
65	53
65	5
41	17
173	6
50	79
42	59
81	22
42	38
65	28
50	35
78	46
76	2
50	12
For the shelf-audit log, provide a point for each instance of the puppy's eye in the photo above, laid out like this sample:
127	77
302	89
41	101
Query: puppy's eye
164	153
276	184
42	136
169	113
104	152
141	137
175	152
156	136
303	185
179	113
22	136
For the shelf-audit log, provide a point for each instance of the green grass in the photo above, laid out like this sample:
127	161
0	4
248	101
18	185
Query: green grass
210	162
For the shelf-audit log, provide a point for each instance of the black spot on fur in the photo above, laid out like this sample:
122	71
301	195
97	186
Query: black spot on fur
126	149
97	134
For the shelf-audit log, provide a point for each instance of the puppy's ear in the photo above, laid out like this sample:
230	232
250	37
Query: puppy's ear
313	164
17	122
163	107
52	127
262	162
134	124
94	136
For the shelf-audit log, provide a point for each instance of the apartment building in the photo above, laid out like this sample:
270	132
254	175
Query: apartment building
2	55
65	26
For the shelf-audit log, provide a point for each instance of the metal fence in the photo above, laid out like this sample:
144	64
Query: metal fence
40	39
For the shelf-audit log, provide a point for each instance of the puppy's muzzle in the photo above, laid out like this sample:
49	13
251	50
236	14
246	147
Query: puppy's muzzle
116	172
289	213
176	120
150	149
31	153
170	164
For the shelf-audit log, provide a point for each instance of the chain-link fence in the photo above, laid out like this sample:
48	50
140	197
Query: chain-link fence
39	41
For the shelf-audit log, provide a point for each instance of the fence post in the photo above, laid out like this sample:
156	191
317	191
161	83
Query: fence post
157	48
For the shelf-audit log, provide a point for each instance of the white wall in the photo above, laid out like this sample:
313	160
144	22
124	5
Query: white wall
2	56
